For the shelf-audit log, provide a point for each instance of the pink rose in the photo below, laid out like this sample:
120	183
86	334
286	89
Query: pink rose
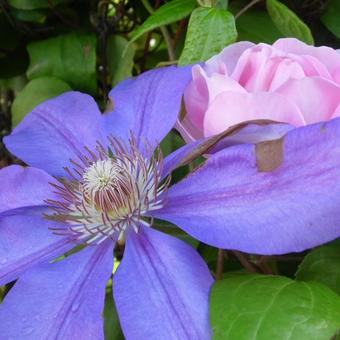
288	81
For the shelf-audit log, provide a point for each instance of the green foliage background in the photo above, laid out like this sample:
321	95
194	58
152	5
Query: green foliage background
48	47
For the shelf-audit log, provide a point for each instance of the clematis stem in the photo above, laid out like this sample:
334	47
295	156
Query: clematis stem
220	264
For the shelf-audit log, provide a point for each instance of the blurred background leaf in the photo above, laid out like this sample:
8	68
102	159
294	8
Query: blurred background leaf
70	57
34	93
35	4
112	328
168	13
120	65
288	23
331	17
254	24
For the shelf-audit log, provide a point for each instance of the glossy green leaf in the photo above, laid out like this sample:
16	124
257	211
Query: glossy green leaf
170	12
323	265
209	31
331	17
120	66
288	23
70	57
262	307
34	93
34	4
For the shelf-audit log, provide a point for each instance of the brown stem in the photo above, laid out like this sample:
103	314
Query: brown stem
245	262
168	42
145	51
220	264
165	33
179	32
263	265
245	8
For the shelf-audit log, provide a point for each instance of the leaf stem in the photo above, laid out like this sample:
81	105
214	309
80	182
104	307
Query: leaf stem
245	8
245	262
165	33
220	264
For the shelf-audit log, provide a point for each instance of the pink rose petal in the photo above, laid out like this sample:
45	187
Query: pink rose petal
228	57
327	55
203	90
230	108
316	98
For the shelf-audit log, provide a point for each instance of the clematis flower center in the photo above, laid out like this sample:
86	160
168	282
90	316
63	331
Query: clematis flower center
107	192
109	187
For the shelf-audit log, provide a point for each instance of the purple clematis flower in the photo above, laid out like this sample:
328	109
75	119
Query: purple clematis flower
93	179
241	198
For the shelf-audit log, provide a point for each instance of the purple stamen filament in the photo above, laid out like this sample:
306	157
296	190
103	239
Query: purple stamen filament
108	191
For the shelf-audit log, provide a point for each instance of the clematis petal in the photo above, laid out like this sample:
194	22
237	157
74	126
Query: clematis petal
161	289
24	187
148	105
24	236
57	131
285	202
63	300
25	240
316	98
230	108
172	161
253	132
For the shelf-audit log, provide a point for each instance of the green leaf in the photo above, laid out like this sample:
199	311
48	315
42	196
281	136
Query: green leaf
331	17
323	265
170	12
288	23
34	93
171	142
34	4
209	31
70	57
120	67
262	307
112	328
16	84
255	25
37	16
222	4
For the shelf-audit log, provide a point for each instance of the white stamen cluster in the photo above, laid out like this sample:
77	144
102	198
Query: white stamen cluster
109	191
